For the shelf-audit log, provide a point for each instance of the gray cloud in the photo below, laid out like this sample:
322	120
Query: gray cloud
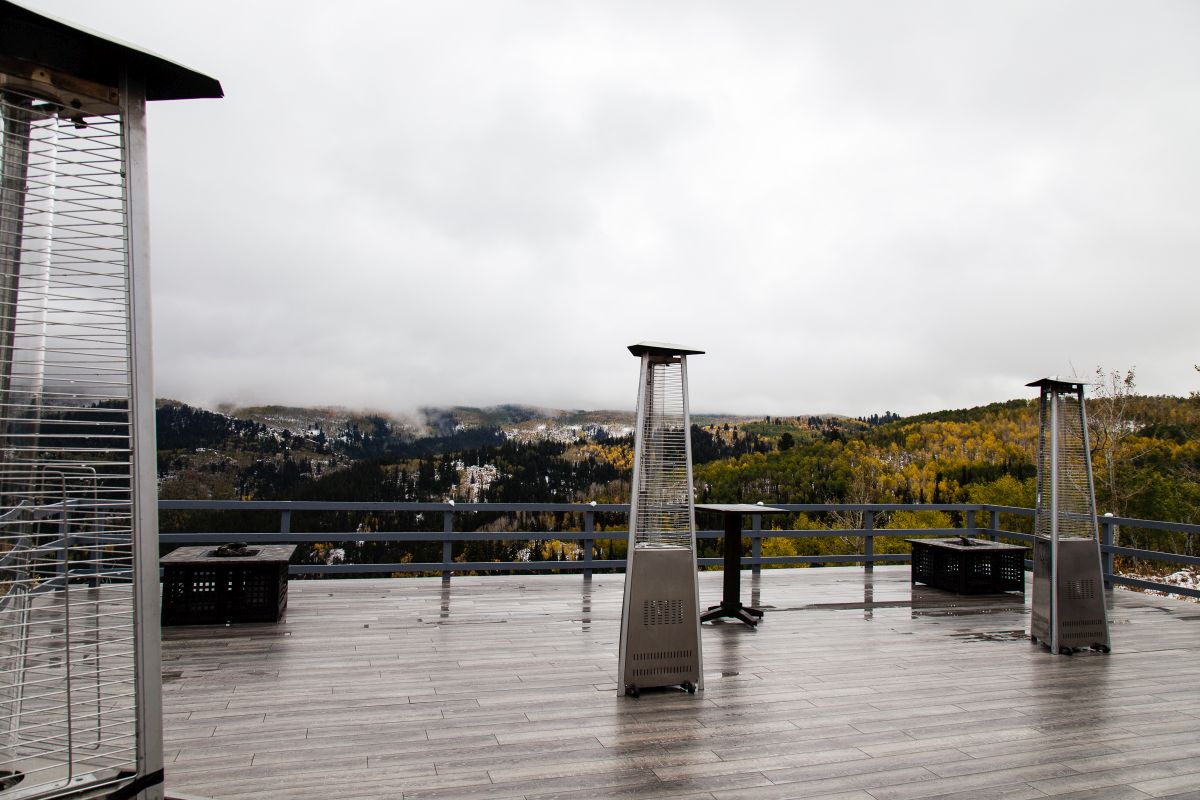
854	206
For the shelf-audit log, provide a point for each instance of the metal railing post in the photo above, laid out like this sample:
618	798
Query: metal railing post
285	521
589	526
970	524
994	524
869	541
756	543
1106	556
447	544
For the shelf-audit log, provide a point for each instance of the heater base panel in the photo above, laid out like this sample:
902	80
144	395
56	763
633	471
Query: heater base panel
662	620
1082	620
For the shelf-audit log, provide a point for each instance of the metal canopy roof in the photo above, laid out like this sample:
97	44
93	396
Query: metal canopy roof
662	349
1057	383
36	39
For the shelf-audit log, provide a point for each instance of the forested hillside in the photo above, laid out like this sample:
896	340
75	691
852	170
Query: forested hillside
1146	452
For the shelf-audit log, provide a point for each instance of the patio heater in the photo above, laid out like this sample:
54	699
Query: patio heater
1068	584
660	619
80	672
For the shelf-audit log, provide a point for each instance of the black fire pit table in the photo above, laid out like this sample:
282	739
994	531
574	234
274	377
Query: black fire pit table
968	566
210	585
731	602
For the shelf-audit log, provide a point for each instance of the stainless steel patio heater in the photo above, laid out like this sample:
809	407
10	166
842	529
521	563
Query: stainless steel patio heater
80	672
1068	585
660	620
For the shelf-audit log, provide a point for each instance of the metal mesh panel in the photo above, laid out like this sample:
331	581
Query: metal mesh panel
67	693
1076	517
1041	519
663	513
1065	467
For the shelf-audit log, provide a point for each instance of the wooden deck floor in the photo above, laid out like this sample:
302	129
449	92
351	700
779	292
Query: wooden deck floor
855	687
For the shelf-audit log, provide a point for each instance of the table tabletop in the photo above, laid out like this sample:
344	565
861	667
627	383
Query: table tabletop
739	508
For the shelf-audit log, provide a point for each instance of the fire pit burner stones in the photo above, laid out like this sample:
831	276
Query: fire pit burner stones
234	550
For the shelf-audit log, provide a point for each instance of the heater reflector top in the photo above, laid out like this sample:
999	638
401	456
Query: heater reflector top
662	349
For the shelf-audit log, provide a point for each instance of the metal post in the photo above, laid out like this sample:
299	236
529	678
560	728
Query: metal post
868	541
994	524
589	526
1054	476
1106	541
285	521
756	543
141	409
971	524
1106	559
731	578
447	544
691	488
643	400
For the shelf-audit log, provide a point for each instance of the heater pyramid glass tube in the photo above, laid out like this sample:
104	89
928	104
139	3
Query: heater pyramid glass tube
660	621
1068	590
66	534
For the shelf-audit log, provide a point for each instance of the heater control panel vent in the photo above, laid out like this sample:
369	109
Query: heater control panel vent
1081	589
662	612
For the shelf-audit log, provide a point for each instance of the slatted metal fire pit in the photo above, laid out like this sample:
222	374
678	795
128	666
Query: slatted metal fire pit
968	566
207	585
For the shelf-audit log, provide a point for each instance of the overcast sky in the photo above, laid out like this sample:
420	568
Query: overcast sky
851	206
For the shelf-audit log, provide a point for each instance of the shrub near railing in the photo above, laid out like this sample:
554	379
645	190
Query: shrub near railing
436	537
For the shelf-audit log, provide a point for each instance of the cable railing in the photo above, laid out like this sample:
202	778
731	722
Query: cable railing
973	520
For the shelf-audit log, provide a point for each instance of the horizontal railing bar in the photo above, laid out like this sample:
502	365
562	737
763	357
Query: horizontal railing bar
520	536
823	507
1157	587
1018	510
548	566
386	536
1151	555
1150	524
463	566
316	505
840	558
876	533
1020	537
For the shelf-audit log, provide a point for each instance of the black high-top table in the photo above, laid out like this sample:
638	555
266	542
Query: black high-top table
731	603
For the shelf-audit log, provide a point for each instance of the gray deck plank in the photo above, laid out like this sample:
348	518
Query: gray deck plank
504	687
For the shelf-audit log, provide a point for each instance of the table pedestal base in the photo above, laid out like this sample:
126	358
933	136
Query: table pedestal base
747	614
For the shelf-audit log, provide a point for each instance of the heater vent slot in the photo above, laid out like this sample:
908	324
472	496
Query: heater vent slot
662	655
662	612
682	670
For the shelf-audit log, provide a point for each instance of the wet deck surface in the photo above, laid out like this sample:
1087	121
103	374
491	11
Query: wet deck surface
856	687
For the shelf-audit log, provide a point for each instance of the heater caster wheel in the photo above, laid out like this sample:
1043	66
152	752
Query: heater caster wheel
1033	639
632	691
1103	648
1065	651
689	687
